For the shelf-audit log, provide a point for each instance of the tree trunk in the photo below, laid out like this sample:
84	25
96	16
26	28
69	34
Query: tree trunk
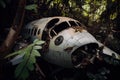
12	36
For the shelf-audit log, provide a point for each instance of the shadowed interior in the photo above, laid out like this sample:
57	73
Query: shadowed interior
86	51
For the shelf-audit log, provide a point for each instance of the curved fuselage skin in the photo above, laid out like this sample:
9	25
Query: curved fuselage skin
63	36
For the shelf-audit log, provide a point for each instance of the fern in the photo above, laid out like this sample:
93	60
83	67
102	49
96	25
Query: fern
28	60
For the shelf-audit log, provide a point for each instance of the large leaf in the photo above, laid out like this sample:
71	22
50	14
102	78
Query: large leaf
32	59
35	40
24	75
30	66
37	47
39	42
19	69
86	7
36	53
15	53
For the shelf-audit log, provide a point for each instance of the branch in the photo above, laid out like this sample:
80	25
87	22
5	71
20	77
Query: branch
14	30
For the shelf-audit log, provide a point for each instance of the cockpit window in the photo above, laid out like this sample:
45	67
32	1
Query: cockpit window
52	23
52	33
58	28
35	30
79	24
72	23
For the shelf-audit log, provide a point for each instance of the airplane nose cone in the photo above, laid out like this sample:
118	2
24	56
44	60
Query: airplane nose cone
80	39
85	46
83	38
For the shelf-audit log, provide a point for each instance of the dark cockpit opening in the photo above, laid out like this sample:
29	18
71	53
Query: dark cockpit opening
73	23
62	26
83	53
51	23
58	28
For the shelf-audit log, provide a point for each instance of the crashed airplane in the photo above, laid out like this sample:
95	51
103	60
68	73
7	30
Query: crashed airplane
67	42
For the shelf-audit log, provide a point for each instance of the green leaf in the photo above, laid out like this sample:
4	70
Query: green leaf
39	42
113	16
15	53
19	69
27	54
35	53
24	75
35	40
32	59
22	51
85	13
26	57
12	54
37	47
30	66
86	7
87	1
31	7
